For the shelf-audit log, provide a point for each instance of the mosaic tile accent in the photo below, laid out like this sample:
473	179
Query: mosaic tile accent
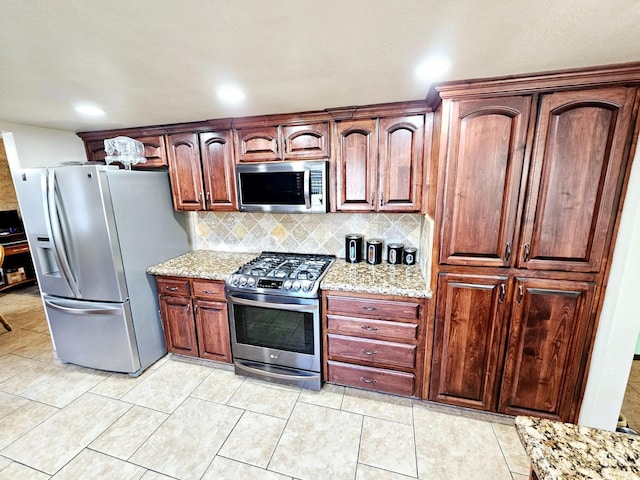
309	233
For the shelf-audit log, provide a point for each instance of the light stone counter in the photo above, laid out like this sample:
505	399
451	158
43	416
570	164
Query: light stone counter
566	451
207	264
382	279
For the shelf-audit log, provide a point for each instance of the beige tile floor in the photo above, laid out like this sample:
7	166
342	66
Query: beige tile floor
186	420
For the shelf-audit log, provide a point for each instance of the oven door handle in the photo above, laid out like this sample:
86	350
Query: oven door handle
280	306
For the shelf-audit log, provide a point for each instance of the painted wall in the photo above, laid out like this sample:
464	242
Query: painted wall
30	147
619	325
8	199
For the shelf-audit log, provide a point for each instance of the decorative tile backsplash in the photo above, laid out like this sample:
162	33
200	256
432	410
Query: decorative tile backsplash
310	233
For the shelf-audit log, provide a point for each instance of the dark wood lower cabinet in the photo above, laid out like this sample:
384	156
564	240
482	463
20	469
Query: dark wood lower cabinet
511	345
468	337
194	317
545	355
213	330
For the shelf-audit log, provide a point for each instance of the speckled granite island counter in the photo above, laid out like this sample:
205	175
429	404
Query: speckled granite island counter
381	279
565	451
207	264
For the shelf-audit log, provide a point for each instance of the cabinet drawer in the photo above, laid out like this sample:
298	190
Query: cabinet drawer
373	307
371	378
208	289
171	286
373	351
376	329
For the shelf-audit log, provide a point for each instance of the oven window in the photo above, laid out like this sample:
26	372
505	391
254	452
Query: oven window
272	328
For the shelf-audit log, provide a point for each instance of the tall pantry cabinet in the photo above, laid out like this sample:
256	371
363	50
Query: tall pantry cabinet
530	177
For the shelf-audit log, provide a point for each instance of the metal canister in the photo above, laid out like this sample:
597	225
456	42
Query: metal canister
374	251
394	253
353	247
410	255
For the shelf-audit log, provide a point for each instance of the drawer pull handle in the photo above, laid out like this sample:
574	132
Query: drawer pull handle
208	292
369	352
368	328
368	380
172	289
369	309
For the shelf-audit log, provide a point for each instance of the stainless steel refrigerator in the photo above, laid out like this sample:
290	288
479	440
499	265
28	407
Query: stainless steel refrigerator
93	231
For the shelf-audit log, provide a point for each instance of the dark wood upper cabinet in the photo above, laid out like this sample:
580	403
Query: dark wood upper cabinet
484	165
305	142
379	164
218	168
546	345
400	163
154	151
288	142
468	337
185	171
577	167
259	144
356	165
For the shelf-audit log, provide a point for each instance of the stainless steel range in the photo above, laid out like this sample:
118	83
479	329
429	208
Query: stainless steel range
274	317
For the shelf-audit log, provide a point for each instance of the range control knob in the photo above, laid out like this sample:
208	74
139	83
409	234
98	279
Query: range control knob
287	284
235	280
251	281
243	281
306	286
296	285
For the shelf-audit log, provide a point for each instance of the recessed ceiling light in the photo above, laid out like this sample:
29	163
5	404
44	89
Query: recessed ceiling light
90	110
433	68
230	94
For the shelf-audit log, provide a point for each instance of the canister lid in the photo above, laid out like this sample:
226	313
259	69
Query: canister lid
395	245
353	236
374	241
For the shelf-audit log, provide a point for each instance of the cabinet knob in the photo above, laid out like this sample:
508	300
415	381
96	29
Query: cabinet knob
368	380
369	309
520	295
369	352
527	252
172	289
503	292
507	252
368	328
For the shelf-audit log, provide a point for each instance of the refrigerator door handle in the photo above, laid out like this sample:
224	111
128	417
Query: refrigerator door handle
51	219
84	311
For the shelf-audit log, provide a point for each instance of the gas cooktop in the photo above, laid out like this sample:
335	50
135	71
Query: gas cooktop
291	274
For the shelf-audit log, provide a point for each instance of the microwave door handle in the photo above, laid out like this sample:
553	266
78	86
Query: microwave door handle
307	188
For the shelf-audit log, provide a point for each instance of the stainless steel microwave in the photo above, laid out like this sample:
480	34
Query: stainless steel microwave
283	187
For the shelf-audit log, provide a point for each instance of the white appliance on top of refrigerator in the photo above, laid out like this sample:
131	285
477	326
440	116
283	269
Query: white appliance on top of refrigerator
93	231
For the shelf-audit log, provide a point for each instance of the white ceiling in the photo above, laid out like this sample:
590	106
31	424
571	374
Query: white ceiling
149	62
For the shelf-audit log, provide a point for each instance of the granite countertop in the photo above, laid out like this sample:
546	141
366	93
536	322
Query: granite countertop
207	264
382	279
566	451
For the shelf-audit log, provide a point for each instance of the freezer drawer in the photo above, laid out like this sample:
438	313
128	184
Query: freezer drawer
93	334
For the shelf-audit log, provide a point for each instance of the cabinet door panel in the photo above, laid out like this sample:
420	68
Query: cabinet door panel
258	144
484	166
177	322
306	142
468	338
185	171
576	171
154	151
356	159
544	361
212	326
400	163
219	170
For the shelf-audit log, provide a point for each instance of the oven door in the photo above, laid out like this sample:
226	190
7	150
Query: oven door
275	330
